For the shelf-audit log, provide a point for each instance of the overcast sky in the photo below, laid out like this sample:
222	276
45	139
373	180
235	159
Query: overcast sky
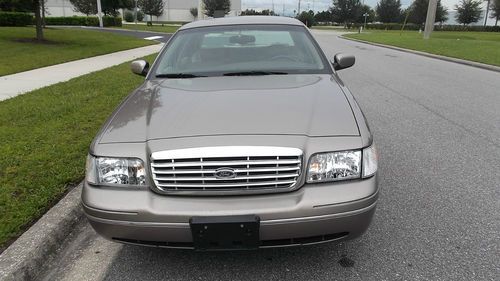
316	5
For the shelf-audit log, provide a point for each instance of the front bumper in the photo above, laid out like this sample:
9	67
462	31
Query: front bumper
312	214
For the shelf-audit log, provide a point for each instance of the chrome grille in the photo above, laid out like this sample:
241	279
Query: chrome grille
231	169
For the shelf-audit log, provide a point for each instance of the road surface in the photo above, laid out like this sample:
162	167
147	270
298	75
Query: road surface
437	126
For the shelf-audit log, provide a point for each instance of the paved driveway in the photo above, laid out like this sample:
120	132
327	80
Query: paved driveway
437	125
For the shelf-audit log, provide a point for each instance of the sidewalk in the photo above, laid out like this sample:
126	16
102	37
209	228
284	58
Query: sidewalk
23	82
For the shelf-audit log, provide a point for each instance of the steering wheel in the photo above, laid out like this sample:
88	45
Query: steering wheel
284	57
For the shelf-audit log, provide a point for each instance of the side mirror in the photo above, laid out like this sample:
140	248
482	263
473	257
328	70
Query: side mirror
140	67
341	61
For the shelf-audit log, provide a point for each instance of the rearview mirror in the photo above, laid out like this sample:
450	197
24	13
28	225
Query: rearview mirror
341	61
140	67
242	39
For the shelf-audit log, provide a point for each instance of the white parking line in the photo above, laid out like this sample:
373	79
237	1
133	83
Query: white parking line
153	37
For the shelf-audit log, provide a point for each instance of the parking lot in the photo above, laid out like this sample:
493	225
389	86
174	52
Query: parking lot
437	127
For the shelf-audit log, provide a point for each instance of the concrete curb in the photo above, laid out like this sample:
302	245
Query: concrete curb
24	259
449	59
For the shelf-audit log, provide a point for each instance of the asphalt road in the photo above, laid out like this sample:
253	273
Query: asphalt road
437	126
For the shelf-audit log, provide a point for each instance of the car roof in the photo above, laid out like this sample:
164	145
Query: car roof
242	20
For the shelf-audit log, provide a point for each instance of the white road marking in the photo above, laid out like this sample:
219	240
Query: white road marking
153	37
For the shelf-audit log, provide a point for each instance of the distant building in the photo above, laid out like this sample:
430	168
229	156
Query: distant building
60	8
178	10
175	10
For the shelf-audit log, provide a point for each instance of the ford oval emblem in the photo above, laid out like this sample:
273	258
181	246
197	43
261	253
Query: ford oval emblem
225	173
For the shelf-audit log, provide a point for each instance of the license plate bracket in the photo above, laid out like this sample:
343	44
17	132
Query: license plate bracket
225	232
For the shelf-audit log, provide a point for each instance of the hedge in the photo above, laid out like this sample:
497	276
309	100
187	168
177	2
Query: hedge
487	28
15	19
412	26
83	21
444	27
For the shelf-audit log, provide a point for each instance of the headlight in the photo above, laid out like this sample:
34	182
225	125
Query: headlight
343	165
334	166
120	171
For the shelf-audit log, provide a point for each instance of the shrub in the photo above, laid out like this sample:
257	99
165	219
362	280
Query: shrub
467	28
15	19
83	21
111	21
392	26
128	16
140	16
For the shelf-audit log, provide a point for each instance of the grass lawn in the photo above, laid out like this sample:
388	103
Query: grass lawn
155	27
474	46
18	53
45	138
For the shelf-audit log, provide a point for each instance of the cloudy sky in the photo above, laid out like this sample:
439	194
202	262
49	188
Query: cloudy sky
317	5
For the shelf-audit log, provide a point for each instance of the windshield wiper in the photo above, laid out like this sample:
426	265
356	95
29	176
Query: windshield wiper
178	75
255	72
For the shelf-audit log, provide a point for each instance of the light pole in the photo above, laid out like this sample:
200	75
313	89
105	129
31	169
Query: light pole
431	17
99	12
487	10
366	16
135	12
200	8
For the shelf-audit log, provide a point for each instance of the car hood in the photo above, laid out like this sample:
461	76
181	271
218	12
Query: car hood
308	105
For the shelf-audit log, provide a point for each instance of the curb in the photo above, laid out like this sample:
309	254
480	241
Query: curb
24	259
449	59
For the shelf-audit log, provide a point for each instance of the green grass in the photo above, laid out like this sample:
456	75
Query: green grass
45	138
155	27
63	45
481	47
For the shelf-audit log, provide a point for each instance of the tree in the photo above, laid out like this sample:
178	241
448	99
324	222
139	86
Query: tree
16	5
112	7
194	12
87	7
365	9
151	8
34	6
495	11
323	16
307	18
418	12
38	20
468	11
267	12
345	11
389	11
211	6
252	12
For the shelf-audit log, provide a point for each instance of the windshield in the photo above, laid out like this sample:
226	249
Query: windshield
241	50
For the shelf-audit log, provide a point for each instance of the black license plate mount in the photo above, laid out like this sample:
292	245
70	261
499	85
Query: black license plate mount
225	232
